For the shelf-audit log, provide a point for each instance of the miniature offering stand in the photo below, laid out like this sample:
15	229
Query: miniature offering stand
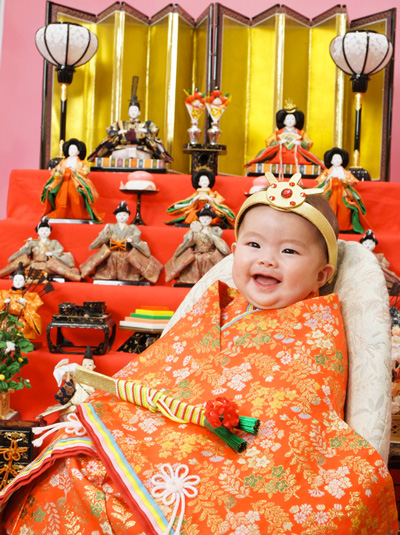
148	324
92	315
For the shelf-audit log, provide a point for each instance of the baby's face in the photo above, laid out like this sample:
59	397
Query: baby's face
279	258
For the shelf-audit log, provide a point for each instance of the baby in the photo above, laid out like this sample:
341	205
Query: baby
279	257
273	347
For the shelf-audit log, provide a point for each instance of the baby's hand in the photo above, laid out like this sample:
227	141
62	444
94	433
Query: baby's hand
7	300
22	300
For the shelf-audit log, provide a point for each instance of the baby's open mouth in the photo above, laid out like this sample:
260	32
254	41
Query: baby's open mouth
264	280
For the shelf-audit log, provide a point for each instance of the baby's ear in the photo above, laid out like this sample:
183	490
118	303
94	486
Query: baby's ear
233	247
325	274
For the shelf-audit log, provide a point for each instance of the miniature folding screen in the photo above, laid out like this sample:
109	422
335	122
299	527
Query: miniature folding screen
262	62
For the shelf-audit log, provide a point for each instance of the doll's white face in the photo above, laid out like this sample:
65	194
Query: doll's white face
73	150
337	160
122	217
369	244
204	181
89	364
134	112
44	232
290	120
18	281
205	220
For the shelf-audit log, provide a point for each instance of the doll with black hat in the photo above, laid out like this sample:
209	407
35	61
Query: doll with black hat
70	393
133	138
289	144
339	186
201	249
69	193
44	254
121	255
203	181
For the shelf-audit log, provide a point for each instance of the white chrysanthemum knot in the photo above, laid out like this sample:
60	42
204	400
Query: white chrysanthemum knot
171	486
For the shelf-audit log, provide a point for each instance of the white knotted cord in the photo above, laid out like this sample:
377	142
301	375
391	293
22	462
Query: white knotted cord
172	485
71	425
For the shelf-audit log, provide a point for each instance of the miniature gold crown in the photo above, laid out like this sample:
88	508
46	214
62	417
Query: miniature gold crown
290	106
289	196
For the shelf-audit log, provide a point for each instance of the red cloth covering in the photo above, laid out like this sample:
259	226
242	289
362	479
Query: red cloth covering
24	210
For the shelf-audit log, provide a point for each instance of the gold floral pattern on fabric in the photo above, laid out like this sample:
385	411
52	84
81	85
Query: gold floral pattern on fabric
306	472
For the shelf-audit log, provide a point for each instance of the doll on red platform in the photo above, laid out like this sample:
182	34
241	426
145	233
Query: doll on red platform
69	193
339	186
133	138
202	248
121	254
203	181
23	304
43	254
369	241
289	144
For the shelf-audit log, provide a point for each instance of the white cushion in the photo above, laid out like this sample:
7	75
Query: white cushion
364	301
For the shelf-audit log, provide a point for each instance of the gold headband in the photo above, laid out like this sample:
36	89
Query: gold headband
288	196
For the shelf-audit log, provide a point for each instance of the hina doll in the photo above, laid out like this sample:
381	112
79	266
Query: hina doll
43	254
369	241
69	193
133	138
203	181
289	144
23	304
339	186
70	393
121	254
201	249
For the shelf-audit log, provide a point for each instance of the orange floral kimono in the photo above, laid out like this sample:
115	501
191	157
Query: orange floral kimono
133	470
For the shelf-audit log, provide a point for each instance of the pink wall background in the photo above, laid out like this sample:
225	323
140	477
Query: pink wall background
21	69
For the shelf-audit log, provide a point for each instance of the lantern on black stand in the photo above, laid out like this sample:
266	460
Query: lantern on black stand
66	45
360	53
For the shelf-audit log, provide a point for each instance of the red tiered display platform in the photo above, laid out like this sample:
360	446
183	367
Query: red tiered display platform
24	211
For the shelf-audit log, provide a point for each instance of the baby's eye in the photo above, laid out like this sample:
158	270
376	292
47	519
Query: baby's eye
253	244
289	251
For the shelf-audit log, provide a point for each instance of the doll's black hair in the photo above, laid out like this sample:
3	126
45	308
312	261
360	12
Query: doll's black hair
80	144
196	177
281	116
329	154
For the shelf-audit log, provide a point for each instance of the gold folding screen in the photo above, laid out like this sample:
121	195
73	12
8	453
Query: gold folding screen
261	62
